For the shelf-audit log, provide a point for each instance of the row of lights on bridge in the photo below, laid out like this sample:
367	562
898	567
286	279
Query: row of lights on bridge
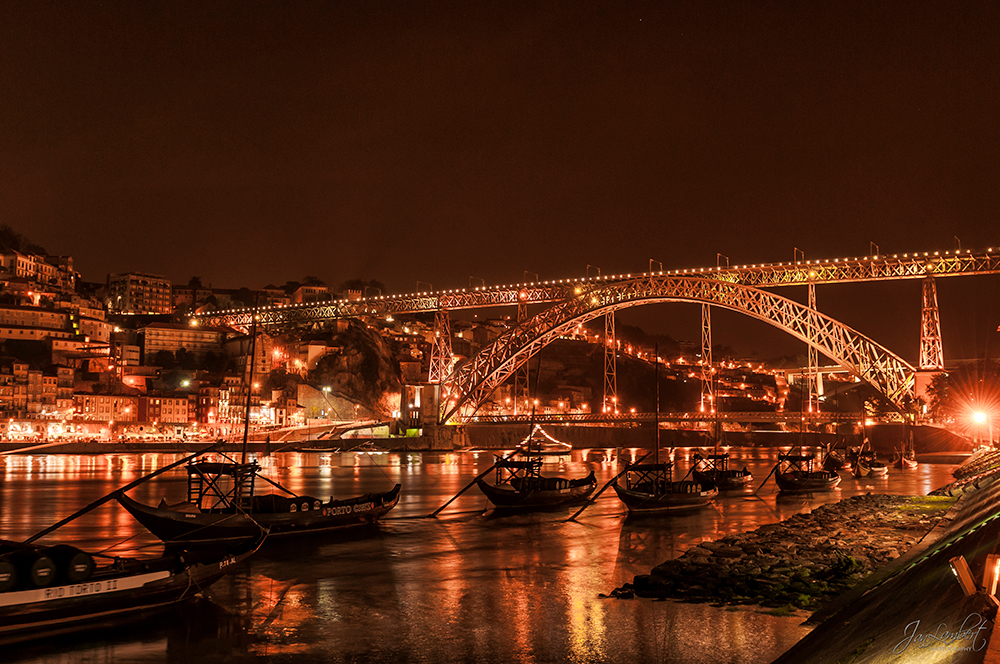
554	282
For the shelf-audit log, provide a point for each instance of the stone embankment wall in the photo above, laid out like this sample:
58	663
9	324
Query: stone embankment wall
802	561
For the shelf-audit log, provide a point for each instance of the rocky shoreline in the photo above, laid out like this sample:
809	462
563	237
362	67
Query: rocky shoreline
801	562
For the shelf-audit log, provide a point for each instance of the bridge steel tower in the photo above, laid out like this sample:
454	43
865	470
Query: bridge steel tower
931	351
610	364
522	377
812	394
441	353
707	379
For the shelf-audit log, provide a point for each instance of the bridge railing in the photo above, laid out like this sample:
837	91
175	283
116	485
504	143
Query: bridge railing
696	416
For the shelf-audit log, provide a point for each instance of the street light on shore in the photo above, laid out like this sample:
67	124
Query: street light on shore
980	418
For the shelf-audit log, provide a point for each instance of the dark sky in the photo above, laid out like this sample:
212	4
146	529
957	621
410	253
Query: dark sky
252	142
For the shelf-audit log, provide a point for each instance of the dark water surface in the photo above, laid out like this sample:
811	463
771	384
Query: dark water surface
466	586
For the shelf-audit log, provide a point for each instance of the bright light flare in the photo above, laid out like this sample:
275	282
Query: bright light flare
979	417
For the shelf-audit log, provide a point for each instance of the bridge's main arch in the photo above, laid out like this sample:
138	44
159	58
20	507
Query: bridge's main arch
472	382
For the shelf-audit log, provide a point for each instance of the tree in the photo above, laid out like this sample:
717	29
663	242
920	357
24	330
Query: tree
164	359
11	239
214	362
194	283
971	387
246	296
186	360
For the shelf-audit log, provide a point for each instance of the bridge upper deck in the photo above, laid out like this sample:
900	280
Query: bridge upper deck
766	275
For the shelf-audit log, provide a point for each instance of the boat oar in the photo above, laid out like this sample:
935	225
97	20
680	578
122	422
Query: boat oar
604	488
767	478
97	503
470	484
37	447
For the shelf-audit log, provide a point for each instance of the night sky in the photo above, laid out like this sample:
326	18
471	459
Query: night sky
251	143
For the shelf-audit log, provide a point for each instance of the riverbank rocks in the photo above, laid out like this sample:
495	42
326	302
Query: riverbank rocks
802	561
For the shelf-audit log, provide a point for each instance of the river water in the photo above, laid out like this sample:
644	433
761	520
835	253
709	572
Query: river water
466	586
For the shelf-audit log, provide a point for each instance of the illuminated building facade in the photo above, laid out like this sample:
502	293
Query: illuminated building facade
138	293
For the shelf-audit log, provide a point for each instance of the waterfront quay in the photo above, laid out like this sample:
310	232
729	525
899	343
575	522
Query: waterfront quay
469	585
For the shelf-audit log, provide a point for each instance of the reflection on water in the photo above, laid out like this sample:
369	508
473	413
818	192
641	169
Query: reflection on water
468	585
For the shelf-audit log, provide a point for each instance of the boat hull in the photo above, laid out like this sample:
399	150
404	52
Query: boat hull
175	526
834	462
799	482
643	502
112	595
562	492
864	470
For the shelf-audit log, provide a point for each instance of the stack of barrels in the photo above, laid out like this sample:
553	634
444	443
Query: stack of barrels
23	566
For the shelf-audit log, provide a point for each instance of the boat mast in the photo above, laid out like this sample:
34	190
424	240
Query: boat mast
656	415
246	416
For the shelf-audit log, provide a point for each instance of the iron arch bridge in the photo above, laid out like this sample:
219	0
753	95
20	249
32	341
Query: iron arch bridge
470	385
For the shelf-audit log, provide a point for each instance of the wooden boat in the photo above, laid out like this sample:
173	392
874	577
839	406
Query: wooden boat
649	488
905	457
520	485
714	470
835	461
795	473
47	591
222	506
540	443
868	465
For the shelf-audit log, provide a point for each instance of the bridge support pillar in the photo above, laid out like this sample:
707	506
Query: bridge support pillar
610	365
522	379
931	352
441	350
812	391
707	377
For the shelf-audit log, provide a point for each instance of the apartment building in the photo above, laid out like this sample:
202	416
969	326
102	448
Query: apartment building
106	407
54	273
163	409
138	293
173	336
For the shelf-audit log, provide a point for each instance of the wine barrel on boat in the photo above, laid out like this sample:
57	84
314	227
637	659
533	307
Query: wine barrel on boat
33	567
72	564
8	574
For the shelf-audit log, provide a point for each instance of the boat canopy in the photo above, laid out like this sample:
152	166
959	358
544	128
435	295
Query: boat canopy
796	457
220	468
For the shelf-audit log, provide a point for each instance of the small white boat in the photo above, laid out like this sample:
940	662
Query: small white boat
540	443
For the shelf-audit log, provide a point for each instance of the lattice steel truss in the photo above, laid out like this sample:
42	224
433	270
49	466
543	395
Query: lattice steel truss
474	381
880	268
931	352
707	372
610	364
812	394
522	375
441	354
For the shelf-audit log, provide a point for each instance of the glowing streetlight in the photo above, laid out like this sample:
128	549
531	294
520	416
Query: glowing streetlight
981	418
